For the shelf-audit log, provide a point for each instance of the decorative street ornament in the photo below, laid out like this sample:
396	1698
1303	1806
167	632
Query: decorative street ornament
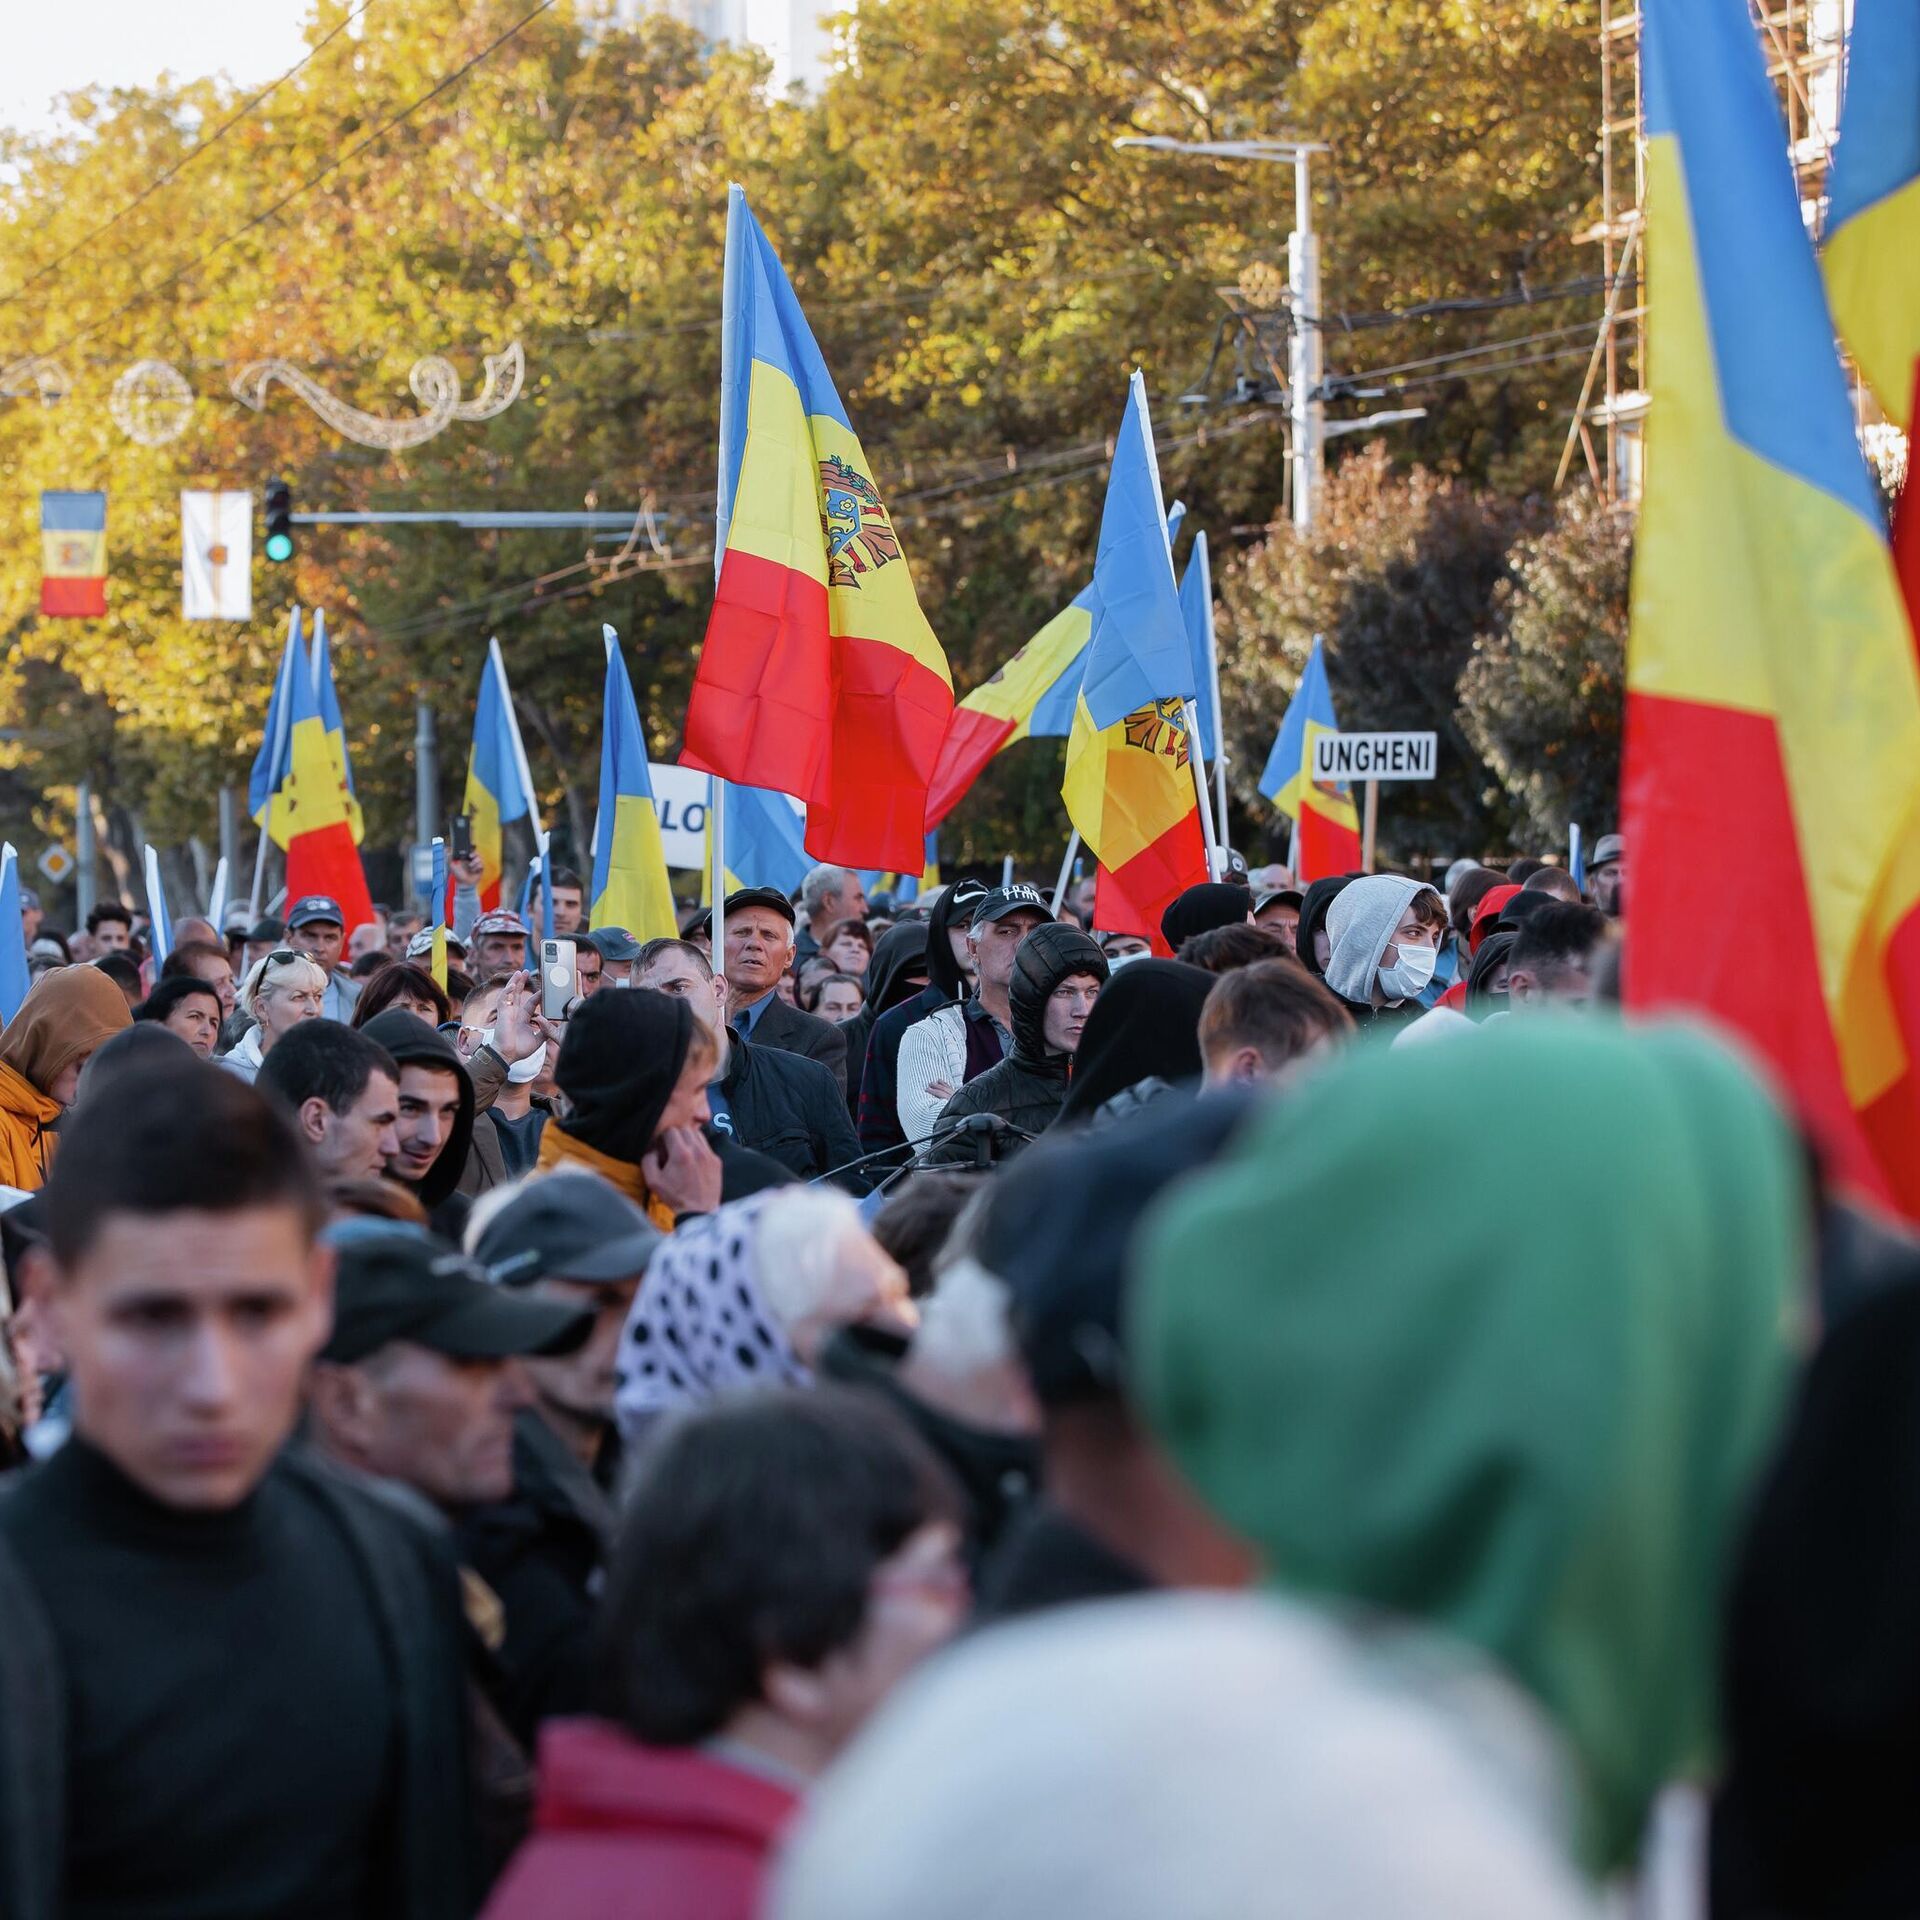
47	379
435	385
151	403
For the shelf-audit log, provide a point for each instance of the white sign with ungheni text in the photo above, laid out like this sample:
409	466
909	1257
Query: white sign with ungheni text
1374	756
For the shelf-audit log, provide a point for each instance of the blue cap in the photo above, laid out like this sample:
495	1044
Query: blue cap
311	909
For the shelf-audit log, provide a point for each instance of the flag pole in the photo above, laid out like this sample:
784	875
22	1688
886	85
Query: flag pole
279	746
520	764
1066	872
1215	865
1201	554
717	841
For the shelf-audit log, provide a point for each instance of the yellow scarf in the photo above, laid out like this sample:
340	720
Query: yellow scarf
558	1148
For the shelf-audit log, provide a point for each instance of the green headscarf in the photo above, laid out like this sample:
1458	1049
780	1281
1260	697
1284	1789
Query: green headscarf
1516	1390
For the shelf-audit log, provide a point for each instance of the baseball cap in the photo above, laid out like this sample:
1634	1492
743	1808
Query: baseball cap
28	899
312	909
501	920
567	1226
398	1283
769	897
998	902
265	931
1606	850
614	943
420	947
1288	896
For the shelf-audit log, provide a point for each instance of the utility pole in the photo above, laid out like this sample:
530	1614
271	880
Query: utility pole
1306	402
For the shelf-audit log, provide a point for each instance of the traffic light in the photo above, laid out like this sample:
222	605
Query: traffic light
279	520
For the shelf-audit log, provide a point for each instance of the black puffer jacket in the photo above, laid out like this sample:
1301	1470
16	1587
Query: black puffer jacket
1029	1087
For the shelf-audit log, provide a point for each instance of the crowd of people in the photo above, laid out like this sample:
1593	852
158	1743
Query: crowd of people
928	1407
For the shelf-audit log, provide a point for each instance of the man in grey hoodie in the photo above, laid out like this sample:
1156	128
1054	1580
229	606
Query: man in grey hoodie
1384	933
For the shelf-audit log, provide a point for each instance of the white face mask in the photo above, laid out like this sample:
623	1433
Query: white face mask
522	1070
1414	970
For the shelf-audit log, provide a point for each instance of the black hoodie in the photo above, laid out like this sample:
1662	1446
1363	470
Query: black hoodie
879	1114
413	1043
1144	1026
1319	896
899	952
1029	1087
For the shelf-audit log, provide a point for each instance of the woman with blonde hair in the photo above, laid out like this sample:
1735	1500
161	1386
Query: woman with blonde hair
281	989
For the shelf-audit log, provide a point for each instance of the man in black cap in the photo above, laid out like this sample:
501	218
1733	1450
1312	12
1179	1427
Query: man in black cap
758	949
945	1051
1279	912
317	928
1058	972
230	1679
1114	1517
572	1239
617	950
1607	874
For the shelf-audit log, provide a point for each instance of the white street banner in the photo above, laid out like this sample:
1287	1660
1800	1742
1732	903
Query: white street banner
216	556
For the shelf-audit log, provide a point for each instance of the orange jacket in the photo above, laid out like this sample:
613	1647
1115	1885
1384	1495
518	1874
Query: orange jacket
66	1017
26	1148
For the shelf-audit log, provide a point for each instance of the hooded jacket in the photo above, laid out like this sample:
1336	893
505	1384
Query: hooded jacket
1144	1026
67	1016
415	1044
618	1066
1360	927
1213	903
1029	1087
899	952
1545	1457
1320	895
879	1110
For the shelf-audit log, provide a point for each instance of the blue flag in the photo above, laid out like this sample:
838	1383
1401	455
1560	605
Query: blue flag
13	937
160	921
1312	702
1138	651
765	840
270	764
1196	606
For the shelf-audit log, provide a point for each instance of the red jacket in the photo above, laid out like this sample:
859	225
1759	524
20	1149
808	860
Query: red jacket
623	1831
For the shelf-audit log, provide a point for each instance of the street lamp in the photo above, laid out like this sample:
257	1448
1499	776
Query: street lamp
1306	410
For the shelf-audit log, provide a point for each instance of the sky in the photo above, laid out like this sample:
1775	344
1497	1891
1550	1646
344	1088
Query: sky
51	49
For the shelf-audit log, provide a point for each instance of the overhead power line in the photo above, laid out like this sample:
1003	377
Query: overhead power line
186	160
173	279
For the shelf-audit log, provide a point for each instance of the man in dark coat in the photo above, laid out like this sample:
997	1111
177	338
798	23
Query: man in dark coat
758	950
231	1678
1057	974
778	1104
879	1110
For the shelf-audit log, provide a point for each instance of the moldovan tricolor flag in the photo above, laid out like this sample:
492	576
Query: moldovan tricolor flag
1873	234
73	554
1031	697
1328	828
1129	785
630	886
267	782
820	676
1773	697
318	811
496	790
329	704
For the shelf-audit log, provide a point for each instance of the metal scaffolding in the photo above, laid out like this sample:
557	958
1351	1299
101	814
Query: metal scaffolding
1804	42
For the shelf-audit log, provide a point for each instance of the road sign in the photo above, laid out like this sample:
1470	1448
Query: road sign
55	863
1374	756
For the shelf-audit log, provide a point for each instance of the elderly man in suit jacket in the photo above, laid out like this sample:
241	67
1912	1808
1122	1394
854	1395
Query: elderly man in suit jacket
759	948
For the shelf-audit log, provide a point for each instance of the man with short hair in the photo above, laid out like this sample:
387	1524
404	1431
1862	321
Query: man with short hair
317	928
945	1051
1607	874
1058	972
230	1679
32	914
370	936
569	904
498	945
567	1237
1268	1023
401	927
189	1008
757	950
109	927
205	961
1552	960
778	1103
343	1090
828	895
588	967
1124	946
1555	881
